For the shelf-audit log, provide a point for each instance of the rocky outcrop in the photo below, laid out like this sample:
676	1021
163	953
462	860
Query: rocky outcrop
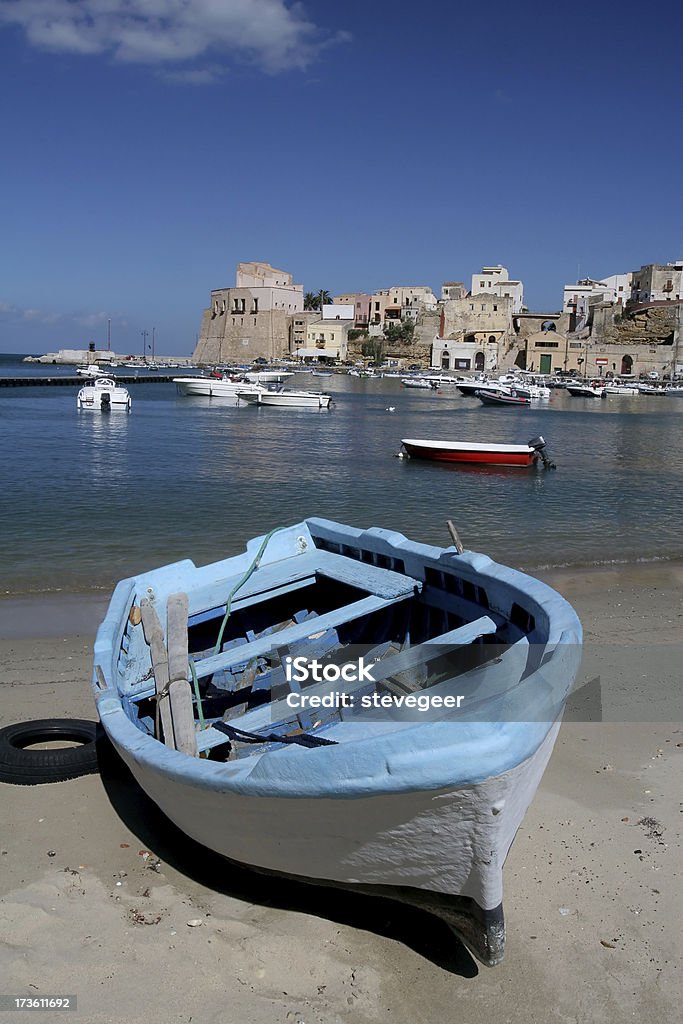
650	326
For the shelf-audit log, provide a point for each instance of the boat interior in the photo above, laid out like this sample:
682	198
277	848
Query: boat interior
421	627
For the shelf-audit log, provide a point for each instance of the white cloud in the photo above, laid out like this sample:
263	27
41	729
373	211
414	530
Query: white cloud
23	314
91	319
40	316
274	35
15	314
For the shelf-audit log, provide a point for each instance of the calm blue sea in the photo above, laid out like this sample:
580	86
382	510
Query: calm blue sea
89	498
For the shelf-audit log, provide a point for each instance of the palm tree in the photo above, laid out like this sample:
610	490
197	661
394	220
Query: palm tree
316	300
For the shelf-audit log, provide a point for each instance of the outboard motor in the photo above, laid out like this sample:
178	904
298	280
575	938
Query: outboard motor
105	401
539	446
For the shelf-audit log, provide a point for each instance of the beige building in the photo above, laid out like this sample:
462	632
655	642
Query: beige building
657	282
391	305
496	281
254	319
453	290
298	327
327	338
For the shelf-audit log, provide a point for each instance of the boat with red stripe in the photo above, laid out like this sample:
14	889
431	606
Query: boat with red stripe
482	453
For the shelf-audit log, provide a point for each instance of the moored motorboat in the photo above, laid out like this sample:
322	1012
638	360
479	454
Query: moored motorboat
586	390
267	376
503	396
419	384
215	387
286	399
469	388
410	778
104	394
479	453
627	390
92	370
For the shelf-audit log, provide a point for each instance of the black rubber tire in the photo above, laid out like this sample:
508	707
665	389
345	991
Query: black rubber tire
32	767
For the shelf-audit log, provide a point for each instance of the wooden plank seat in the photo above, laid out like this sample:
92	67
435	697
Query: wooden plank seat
299	631
268	715
277	578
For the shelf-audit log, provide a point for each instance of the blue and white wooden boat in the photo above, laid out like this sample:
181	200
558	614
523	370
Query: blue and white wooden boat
190	680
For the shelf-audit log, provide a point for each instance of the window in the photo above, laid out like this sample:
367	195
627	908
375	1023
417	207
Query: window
495	309
548	344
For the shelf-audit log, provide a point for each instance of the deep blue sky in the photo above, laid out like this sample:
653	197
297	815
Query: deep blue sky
381	143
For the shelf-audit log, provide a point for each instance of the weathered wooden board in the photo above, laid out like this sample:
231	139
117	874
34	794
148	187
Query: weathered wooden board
154	635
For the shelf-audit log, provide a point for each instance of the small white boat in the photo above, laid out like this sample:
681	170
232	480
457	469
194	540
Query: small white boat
103	394
215	387
469	387
619	389
267	376
419	384
89	371
287	399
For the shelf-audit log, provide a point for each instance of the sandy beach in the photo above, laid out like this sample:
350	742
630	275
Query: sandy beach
101	897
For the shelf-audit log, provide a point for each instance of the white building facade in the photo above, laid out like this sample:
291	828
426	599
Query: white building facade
496	281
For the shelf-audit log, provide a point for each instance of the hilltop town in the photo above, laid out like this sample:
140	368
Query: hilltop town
625	323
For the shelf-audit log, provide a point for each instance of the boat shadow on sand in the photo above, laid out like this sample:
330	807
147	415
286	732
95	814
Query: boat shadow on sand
422	932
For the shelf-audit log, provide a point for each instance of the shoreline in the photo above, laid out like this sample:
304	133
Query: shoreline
590	881
15	602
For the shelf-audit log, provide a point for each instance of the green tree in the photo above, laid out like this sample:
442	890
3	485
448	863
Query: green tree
373	348
316	300
400	333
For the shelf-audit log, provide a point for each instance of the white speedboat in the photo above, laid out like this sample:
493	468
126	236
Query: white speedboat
89	371
419	384
267	376
287	399
215	387
103	394
585	390
619	389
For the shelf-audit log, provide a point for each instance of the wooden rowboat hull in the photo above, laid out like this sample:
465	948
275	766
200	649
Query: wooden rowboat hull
497	455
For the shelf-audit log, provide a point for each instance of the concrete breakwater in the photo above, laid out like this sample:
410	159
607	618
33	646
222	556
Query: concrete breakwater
42	382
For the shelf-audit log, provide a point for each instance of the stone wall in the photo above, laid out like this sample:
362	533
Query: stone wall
226	337
643	327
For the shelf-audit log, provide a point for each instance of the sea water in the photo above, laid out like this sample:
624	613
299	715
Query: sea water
91	497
